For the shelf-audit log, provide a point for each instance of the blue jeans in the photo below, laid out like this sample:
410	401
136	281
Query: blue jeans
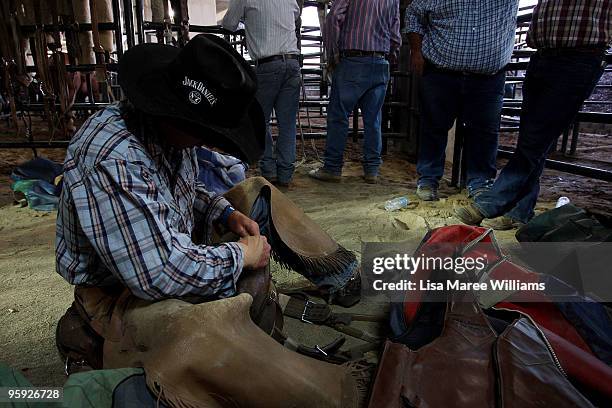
362	82
554	90
278	88
474	101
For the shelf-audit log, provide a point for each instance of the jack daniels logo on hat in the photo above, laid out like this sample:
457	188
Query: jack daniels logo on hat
206	85
199	90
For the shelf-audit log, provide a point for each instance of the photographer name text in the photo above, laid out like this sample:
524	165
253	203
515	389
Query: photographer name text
426	285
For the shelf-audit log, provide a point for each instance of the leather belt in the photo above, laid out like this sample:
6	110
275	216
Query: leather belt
552	52
283	57
360	53
430	66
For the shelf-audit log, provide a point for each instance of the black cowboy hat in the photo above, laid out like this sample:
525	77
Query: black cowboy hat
206	85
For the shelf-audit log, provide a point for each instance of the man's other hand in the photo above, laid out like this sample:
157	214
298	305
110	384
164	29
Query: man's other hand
256	251
417	62
242	225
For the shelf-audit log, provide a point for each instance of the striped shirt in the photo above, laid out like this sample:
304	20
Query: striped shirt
571	24
365	25
269	25
127	211
465	35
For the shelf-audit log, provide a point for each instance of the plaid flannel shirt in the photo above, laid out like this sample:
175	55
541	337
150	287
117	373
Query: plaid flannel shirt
465	35
127	211
570	24
365	25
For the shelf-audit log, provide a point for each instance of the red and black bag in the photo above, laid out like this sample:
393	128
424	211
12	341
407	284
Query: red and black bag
417	321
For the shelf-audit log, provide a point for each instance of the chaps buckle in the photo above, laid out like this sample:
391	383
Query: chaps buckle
307	304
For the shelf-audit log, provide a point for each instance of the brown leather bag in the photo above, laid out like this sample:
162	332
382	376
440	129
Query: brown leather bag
470	365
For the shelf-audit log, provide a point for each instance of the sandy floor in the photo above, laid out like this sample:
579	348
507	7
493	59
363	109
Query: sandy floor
33	296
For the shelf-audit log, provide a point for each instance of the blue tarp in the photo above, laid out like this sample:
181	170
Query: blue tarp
35	180
220	172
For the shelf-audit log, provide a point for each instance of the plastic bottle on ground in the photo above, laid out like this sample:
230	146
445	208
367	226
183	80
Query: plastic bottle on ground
396	204
562	201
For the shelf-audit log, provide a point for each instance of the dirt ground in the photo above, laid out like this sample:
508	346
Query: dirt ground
33	296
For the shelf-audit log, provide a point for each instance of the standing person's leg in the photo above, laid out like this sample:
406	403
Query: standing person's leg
523	211
554	90
347	85
482	98
371	103
286	108
588	68
269	76
439	108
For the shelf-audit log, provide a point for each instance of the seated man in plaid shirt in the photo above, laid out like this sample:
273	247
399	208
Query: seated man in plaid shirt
131	198
461	48
131	202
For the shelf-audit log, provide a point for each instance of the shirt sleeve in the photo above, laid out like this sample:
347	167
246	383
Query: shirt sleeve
415	17
207	209
333	26
233	16
126	219
396	36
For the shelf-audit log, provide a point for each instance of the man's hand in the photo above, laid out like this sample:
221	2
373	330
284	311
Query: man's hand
242	225
330	67
256	251
417	62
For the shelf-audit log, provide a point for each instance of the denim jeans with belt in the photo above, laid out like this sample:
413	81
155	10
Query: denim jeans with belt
362	82
474	100
554	90
279	84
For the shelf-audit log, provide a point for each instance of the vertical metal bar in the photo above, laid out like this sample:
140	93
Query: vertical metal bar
92	100
564	140
140	21
323	84
575	134
385	144
181	18
118	28
128	16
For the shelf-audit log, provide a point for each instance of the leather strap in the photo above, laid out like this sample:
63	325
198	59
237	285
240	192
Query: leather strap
42	68
283	57
19	56
301	308
307	311
360	53
8	59
599	50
